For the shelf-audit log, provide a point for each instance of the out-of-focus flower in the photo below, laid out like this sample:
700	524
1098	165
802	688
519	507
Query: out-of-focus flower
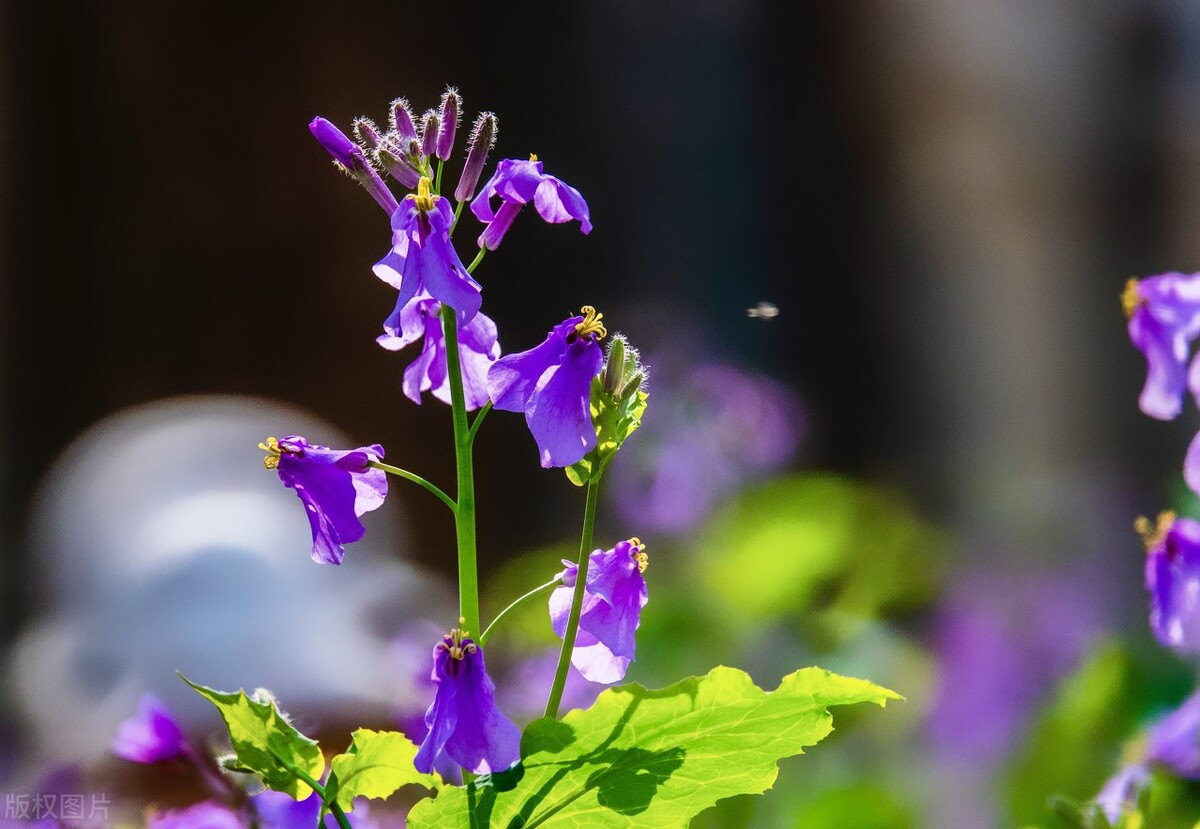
276	810
206	814
1174	739
1173	579
1164	320
524	688
715	427
423	257
517	183
1120	794
463	720
335	485
477	350
614	595
551	383
151	735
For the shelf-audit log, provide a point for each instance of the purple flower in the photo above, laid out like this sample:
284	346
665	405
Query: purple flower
1164	320
206	814
1173	579
517	183
477	350
151	735
463	720
1120	794
349	157
551	383
276	810
336	486
614	595
1174	740
422	256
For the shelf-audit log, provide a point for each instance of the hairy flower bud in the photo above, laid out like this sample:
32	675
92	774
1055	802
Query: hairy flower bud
400	169
483	138
401	120
336	143
623	373
451	113
429	133
367	134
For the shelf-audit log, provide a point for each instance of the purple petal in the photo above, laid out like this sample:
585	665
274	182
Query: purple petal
559	413
206	814
1191	464
1121	791
1173	581
442	717
484	740
558	202
514	377
597	663
422	257
151	735
1175	740
493	234
1163	324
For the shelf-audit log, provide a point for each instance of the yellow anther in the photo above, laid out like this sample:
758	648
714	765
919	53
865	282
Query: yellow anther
271	447
1153	533
533	156
1130	298
453	642
423	199
638	554
591	323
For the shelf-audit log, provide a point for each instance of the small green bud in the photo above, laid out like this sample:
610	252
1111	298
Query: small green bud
614	365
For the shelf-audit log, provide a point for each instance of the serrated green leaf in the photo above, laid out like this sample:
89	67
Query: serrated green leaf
653	758
265	742
376	765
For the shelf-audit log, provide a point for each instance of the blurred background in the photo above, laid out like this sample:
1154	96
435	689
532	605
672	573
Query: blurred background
923	471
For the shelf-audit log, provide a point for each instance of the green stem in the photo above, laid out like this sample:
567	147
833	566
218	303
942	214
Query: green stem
457	212
416	479
437	179
464	514
568	645
521	602
487	407
334	808
478	258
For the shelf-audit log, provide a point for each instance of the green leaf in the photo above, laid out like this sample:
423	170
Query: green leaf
653	758
266	743
376	765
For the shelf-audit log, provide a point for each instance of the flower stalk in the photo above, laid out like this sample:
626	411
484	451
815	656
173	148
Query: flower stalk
568	645
464	513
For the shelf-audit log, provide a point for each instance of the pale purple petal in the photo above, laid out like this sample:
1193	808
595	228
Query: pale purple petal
517	183
442	717
206	814
1173	581
512	380
1164	321
558	202
151	735
493	234
559	413
1174	740
1120	793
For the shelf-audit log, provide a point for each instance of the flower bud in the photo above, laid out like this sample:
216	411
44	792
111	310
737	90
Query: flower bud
483	138
401	120
429	133
614	366
451	113
400	169
367	134
336	143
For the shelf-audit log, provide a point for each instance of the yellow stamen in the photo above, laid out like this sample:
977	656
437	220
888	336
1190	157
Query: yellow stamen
271	447
453	642
1153	533
638	554
591	323
1131	300
423	199
533	156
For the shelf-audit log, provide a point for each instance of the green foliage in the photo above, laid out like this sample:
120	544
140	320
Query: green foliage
1071	750
863	806
615	416
267	744
653	758
826	542
376	764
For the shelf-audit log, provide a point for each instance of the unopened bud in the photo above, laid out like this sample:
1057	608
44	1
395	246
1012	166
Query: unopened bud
336	143
429	133
401	120
451	113
483	138
400	169
614	365
367	134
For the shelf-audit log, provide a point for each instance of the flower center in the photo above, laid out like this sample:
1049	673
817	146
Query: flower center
1153	533
638	554
422	198
591	323
453	642
1131	299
